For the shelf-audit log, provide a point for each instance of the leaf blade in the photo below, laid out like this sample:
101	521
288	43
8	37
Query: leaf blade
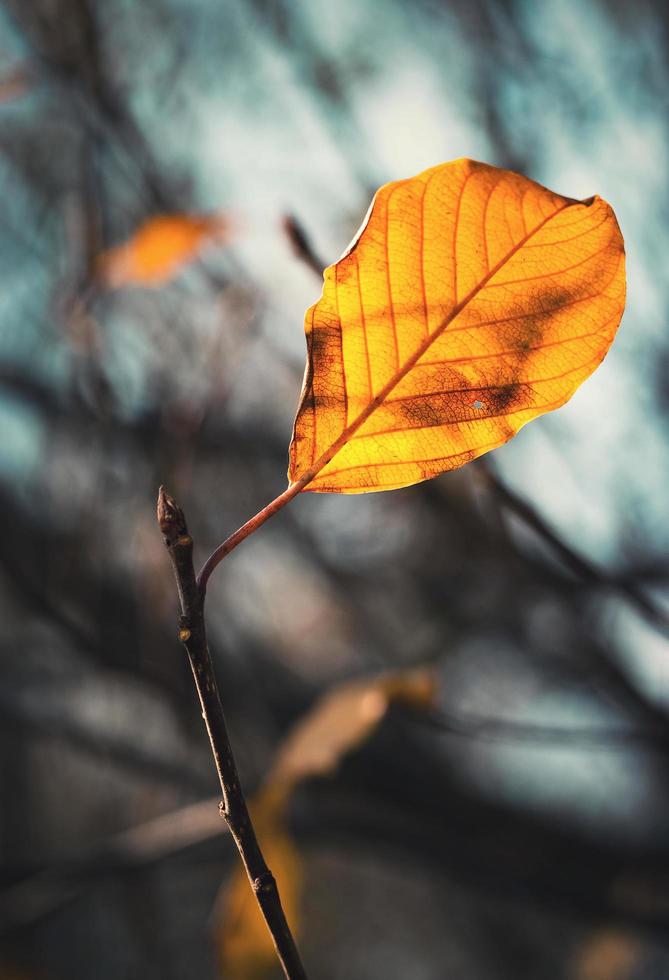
462	265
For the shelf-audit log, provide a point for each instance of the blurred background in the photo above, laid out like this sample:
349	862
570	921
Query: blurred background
492	799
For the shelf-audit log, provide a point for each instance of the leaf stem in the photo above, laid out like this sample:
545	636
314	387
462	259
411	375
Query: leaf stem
230	543
234	810
249	527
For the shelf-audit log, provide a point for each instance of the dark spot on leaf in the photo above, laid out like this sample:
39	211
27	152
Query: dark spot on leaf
421	412
318	342
503	399
345	272
326	402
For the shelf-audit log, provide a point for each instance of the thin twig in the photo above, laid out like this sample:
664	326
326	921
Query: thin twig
233	808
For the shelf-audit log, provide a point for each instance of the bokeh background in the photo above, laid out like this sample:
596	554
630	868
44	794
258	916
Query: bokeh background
516	826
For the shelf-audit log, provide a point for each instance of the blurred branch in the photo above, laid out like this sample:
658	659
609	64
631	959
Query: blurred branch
42	719
577	563
479	727
301	244
42	892
459	835
66	48
192	634
496	852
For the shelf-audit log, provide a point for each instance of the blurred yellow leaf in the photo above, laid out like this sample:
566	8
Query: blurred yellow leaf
607	955
340	721
343	718
471	301
159	249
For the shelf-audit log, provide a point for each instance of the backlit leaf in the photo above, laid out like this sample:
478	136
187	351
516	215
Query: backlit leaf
159	249
472	301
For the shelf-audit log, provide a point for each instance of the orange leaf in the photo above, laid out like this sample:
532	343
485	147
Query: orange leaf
471	301
159	249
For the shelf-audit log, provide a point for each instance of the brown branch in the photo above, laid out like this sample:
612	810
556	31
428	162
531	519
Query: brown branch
192	634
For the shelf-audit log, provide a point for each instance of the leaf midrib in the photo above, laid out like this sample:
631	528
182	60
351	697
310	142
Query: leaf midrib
378	399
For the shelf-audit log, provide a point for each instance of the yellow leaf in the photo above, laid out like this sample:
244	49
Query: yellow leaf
343	718
159	249
471	301
338	723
